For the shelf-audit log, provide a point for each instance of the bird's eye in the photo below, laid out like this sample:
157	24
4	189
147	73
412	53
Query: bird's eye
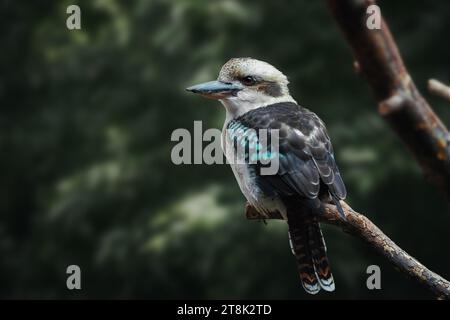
248	81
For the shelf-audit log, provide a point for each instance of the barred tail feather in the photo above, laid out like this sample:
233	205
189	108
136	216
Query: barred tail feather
299	245
308	247
319	255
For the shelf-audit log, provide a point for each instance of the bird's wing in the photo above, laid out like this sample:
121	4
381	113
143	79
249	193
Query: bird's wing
305	152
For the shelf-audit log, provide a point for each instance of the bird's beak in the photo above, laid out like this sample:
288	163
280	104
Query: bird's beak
215	89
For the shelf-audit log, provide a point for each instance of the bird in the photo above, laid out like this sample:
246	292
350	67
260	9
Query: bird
256	97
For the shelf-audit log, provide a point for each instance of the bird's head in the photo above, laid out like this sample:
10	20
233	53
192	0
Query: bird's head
245	84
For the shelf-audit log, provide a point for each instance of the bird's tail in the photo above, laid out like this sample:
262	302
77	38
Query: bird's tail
308	247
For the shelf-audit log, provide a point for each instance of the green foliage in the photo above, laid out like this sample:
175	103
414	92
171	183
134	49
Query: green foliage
86	177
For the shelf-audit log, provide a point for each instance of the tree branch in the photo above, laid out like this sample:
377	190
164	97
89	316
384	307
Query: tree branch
439	89
399	101
360	226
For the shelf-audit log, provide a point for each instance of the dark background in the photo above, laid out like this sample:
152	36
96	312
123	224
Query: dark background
86	176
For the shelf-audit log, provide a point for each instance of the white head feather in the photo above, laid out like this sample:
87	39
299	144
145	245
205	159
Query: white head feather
271	86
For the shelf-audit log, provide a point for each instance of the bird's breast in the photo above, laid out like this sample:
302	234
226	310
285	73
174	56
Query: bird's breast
247	179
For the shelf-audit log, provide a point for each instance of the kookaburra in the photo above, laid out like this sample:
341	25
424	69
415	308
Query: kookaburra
256	96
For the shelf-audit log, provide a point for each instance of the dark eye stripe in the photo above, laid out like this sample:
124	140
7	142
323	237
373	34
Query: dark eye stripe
248	80
270	88
273	89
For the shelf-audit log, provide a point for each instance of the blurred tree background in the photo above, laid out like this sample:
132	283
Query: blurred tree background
86	177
